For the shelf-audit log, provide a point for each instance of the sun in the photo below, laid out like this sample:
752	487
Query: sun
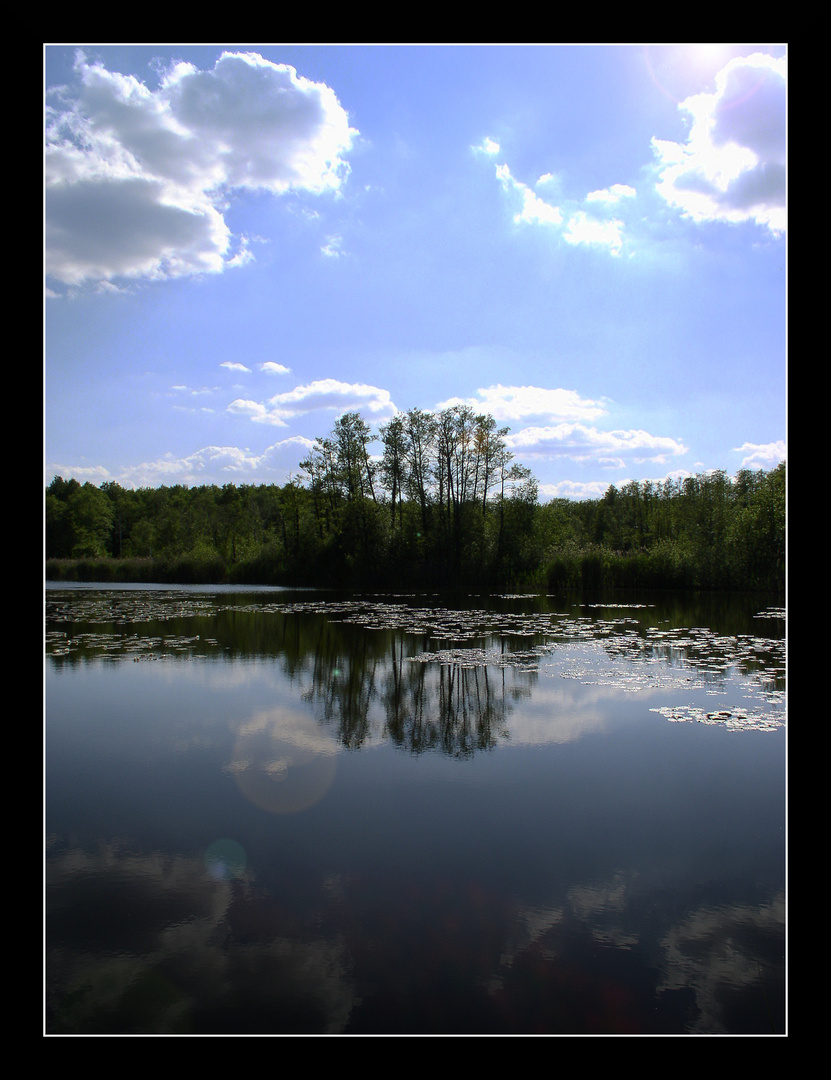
681	70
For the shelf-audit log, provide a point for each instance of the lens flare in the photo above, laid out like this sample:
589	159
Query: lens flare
225	859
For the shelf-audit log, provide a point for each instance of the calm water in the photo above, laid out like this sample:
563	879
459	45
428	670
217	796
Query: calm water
277	812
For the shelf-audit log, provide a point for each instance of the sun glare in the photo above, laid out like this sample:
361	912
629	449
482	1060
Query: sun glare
680	70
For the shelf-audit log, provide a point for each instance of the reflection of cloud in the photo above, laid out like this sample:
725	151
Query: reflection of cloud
600	906
711	963
180	952
293	728
716	953
283	762
560	714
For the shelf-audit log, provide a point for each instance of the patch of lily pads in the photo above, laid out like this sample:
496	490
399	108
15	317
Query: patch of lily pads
734	718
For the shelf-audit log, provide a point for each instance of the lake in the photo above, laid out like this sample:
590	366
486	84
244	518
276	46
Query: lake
299	812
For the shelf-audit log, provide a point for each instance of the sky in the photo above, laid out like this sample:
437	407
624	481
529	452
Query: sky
243	242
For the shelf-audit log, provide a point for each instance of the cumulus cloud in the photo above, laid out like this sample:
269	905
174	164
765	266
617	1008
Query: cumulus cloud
534	210
488	146
573	489
732	166
579	226
232	366
519	402
566	430
583	229
208	465
582	442
271	368
761	455
322	394
612	194
138	180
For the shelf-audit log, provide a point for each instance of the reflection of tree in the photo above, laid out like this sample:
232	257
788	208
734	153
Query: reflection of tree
354	659
343	681
451	707
351	662
471	714
445	707
365	685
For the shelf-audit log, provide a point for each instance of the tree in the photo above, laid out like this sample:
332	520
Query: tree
393	465
90	521
492	456
351	438
420	429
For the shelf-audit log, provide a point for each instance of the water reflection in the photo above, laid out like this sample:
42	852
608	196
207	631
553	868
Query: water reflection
625	647
151	944
267	814
282	762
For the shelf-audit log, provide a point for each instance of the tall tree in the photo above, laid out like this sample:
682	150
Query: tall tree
393	465
351	438
420	431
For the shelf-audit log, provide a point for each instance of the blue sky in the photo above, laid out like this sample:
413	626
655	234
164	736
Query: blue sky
243	242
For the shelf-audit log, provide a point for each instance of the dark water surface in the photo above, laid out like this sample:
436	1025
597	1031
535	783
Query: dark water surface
274	812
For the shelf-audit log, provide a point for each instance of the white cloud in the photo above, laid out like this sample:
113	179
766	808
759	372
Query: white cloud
518	402
573	489
232	366
274	369
612	194
534	209
488	146
580	229
583	229
333	248
322	394
257	411
761	455
138	180
567	431
581	442
193	392
209	465
732	166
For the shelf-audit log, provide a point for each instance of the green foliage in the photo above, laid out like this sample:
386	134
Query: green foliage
445	505
705	532
79	519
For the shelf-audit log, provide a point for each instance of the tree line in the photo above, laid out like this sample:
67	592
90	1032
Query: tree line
445	504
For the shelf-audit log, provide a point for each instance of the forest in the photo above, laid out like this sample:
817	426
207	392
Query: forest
445	505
